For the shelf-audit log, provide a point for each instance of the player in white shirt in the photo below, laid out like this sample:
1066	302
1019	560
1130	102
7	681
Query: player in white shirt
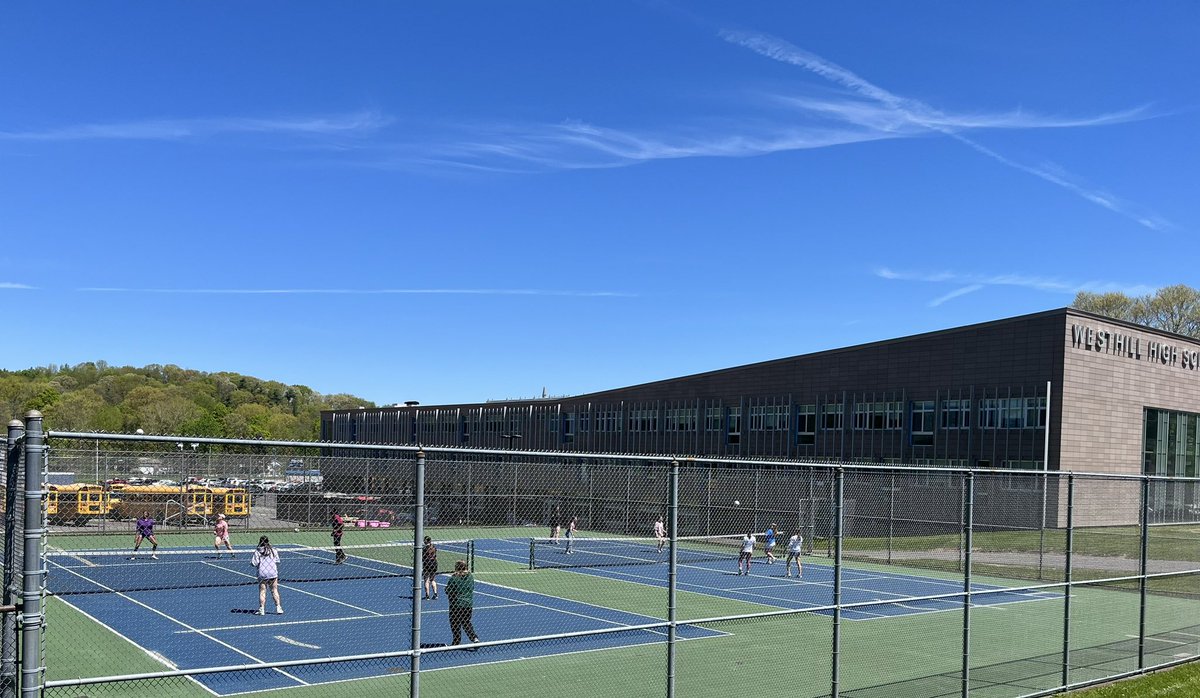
746	553
660	532
795	545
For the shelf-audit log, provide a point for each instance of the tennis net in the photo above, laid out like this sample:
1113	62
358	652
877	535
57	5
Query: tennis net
108	571
547	553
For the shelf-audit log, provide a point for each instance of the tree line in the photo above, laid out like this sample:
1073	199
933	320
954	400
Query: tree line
1171	308
167	399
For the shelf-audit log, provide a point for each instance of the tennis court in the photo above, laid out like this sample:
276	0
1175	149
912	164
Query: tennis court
192	609
707	566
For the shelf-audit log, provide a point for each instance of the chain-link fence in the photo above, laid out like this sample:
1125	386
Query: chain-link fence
586	574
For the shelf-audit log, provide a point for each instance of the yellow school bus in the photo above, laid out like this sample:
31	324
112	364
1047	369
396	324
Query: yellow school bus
233	502
193	502
75	504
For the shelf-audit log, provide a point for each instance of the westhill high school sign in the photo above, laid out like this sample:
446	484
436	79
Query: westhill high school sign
1129	346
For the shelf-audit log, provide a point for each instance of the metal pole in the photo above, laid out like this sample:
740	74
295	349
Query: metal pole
34	570
1066	660
891	512
8	643
968	517
1143	568
837	581
1045	481
673	563
418	555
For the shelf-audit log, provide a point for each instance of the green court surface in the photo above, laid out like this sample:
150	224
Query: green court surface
1014	648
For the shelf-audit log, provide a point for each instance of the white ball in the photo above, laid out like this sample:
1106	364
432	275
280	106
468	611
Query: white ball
737	503
297	529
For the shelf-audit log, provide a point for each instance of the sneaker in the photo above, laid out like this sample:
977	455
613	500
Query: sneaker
259	612
279	611
153	557
435	596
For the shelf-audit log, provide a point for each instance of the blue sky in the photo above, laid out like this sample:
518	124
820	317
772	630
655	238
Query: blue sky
464	201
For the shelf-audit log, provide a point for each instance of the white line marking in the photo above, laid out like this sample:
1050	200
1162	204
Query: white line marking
134	601
282	624
1161	639
297	643
300	591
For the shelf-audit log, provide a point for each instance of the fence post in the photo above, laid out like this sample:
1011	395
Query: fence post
1143	568
34	568
673	563
968	536
891	512
1070	550
838	490
418	554
8	652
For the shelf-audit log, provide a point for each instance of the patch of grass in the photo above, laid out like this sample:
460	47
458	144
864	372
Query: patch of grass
1180	682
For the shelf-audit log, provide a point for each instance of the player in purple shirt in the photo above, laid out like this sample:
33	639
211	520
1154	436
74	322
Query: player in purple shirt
145	530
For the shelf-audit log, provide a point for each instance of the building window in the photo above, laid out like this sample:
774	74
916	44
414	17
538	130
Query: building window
923	417
585	420
735	425
956	414
643	420
680	419
806	424
1012	413
712	419
871	416
569	424
831	416
608	421
768	418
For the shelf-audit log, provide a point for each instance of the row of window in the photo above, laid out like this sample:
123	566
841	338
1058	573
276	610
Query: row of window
805	421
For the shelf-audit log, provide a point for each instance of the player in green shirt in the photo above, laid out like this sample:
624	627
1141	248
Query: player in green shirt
460	591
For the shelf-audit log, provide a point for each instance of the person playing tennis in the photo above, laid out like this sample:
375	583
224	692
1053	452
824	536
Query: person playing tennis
266	561
660	533
221	536
769	543
339	526
747	552
429	567
572	527
460	592
794	545
145	531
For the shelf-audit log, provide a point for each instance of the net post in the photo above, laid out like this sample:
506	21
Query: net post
8	652
34	567
838	491
1143	568
673	564
532	547
968	543
891	512
414	673
1070	550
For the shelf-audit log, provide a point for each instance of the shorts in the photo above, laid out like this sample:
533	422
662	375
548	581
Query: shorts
268	582
770	546
793	554
430	570
745	556
218	540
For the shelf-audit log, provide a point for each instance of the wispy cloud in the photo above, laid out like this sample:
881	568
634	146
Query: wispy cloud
901	112
954	294
181	129
15	286
976	282
364	291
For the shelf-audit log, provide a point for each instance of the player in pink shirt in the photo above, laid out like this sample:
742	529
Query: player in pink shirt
221	535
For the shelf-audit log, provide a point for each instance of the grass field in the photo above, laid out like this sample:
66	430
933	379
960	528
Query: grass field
1015	648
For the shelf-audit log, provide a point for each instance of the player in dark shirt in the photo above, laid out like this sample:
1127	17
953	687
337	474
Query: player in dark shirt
339	555
145	531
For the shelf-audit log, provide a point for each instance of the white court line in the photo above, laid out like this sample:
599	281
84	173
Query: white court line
630	577
1161	639
1180	632
129	598
715	634
153	655
299	591
402	614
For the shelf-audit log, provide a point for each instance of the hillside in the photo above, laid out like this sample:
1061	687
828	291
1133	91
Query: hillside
166	400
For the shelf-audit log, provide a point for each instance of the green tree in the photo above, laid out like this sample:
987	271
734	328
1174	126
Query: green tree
1172	308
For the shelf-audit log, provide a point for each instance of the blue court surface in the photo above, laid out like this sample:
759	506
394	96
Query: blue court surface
202	615
190	609
701	571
